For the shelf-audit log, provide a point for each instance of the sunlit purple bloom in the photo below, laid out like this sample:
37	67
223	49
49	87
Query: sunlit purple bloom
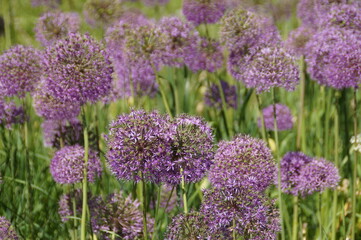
62	132
205	54
283	117
334	58
234	165
77	68
6	230
53	26
213	95
138	145
67	165
254	216
298	38
103	12
203	11
20	70
272	67
345	16
192	150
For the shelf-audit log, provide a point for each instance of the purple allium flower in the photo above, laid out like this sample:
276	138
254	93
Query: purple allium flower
255	217
118	214
103	12
67	165
213	96
192	150
77	68
53	26
66	207
283	117
20	70
11	114
243	163
205	54
155	2
316	176
203	11
298	38
48	3
334	58
58	132
272	67
188	227
291	165
138	144
345	16
180	36
6	230
52	108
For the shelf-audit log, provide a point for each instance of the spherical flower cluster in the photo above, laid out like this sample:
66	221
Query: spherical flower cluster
243	163
343	15
205	54
66	207
203	11
192	150
48	3
187	227
272	67
333	58
67	165
298	38
213	95
19	70
53	26
52	108
77	68
303	175
6	230
103	12
180	35
118	214
283	117
155	2
138	144
62	132
11	114
249	214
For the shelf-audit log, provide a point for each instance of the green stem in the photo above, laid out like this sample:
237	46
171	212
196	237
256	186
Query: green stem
295	218
279	164
184	193
228	118
7	22
157	211
85	185
144	207
75	232
164	97
263	125
335	192
354	172
302	104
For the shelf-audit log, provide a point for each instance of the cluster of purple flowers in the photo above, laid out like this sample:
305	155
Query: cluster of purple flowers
213	96
203	12
155	148
283	117
11	114
6	230
303	175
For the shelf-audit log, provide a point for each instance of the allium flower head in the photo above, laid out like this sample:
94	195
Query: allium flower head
155	2
20	70
52	108
298	38
203	11
118	214
213	95
180	35
77	68
243	163
66	204
334	58
103	12
53	26
205	54
317	176
138	144
192	150
255	216
283	117
345	16
188	227
272	67
58	132
67	165
6	230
